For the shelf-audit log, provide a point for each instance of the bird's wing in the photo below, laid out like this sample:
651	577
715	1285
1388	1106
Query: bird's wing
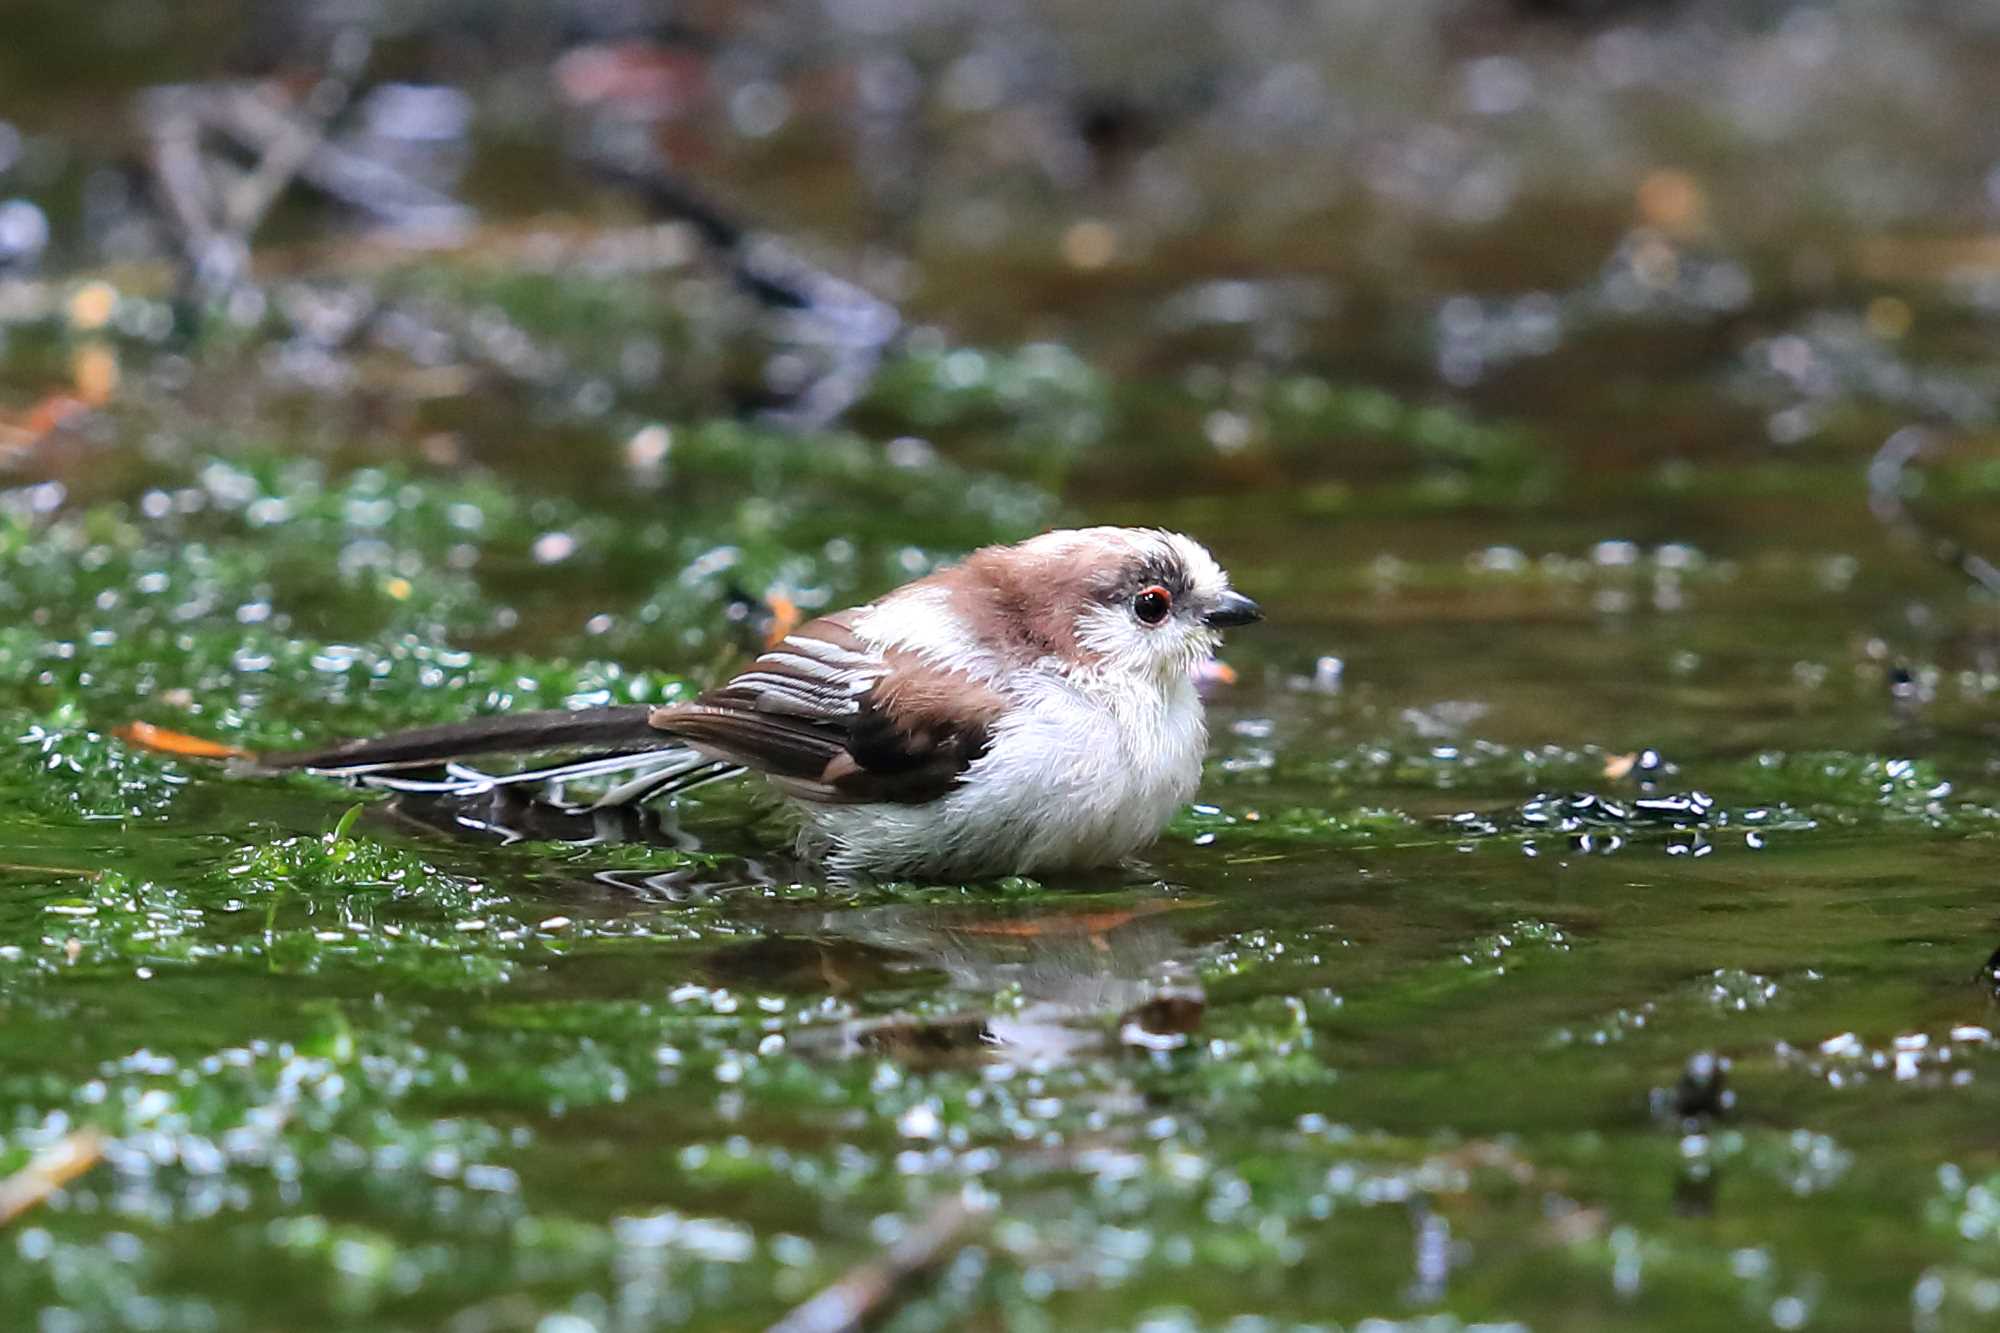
831	718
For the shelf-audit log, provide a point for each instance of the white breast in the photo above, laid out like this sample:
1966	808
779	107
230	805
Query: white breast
1080	772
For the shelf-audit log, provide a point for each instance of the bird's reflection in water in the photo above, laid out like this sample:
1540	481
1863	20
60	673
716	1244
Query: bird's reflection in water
1039	986
1038	989
502	817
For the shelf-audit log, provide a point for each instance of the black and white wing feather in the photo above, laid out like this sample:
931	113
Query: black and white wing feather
828	717
438	760
824	714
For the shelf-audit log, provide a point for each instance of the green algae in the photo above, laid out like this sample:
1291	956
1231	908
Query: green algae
59	767
347	1065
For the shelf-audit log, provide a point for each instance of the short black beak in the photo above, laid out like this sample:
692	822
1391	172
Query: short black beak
1232	609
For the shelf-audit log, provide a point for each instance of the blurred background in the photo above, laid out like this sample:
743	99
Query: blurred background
1325	261
1583	920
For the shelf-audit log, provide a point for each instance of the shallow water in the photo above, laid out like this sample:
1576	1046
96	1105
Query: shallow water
1586	919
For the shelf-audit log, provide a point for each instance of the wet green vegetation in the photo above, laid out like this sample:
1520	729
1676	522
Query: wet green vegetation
1451	934
1588	916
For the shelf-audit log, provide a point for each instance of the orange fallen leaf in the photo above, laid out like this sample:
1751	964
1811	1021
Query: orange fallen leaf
1618	765
785	617
48	415
1215	671
1087	923
149	737
1072	923
51	412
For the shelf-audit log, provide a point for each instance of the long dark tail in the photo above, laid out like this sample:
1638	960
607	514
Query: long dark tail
622	728
623	738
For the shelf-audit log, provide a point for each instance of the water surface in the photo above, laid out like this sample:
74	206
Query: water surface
1587	916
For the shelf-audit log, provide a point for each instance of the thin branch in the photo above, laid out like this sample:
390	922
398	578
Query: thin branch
1887	476
865	1291
48	1171
848	326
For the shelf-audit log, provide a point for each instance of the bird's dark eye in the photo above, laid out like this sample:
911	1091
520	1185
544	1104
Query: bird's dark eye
1152	605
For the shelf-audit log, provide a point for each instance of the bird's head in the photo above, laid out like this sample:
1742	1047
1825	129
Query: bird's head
1137	601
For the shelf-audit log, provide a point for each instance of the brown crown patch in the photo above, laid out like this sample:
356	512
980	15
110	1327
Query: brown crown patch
1026	602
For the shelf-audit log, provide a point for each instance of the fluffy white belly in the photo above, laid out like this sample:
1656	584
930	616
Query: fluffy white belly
1076	775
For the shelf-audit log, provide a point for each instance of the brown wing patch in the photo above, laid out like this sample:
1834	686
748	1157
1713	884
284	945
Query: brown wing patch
830	719
783	747
917	731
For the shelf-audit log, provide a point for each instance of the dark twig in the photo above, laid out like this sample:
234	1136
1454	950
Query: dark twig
184	187
290	145
216	210
216	217
849	326
864	1291
251	121
668	193
1888	478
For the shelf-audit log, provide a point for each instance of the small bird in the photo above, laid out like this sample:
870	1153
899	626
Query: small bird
1029	709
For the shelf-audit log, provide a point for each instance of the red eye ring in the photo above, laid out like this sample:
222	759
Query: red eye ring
1152	605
